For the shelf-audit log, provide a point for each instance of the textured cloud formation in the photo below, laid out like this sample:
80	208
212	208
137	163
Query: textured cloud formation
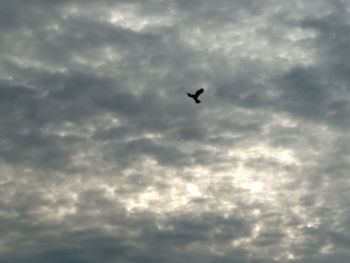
103	158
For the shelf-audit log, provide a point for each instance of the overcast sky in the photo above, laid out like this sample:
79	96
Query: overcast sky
104	158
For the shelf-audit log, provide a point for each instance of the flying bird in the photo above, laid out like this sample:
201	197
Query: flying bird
196	95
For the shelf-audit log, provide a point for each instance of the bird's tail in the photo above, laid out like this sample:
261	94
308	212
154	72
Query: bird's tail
190	95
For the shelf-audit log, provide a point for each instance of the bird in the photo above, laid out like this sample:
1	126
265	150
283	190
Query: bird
196	95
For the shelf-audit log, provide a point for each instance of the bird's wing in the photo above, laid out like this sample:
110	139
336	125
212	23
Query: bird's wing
199	92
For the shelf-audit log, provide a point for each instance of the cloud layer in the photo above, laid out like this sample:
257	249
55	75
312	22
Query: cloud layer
103	158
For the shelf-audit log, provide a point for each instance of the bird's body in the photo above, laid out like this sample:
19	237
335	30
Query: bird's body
196	95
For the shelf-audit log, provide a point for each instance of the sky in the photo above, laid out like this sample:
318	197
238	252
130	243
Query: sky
104	158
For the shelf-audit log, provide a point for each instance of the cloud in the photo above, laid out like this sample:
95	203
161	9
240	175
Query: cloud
103	158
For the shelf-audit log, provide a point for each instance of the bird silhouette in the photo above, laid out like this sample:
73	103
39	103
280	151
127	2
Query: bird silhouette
196	95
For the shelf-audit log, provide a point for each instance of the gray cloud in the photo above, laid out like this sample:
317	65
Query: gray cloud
103	158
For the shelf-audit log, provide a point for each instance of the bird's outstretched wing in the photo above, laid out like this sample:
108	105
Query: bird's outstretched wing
199	92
